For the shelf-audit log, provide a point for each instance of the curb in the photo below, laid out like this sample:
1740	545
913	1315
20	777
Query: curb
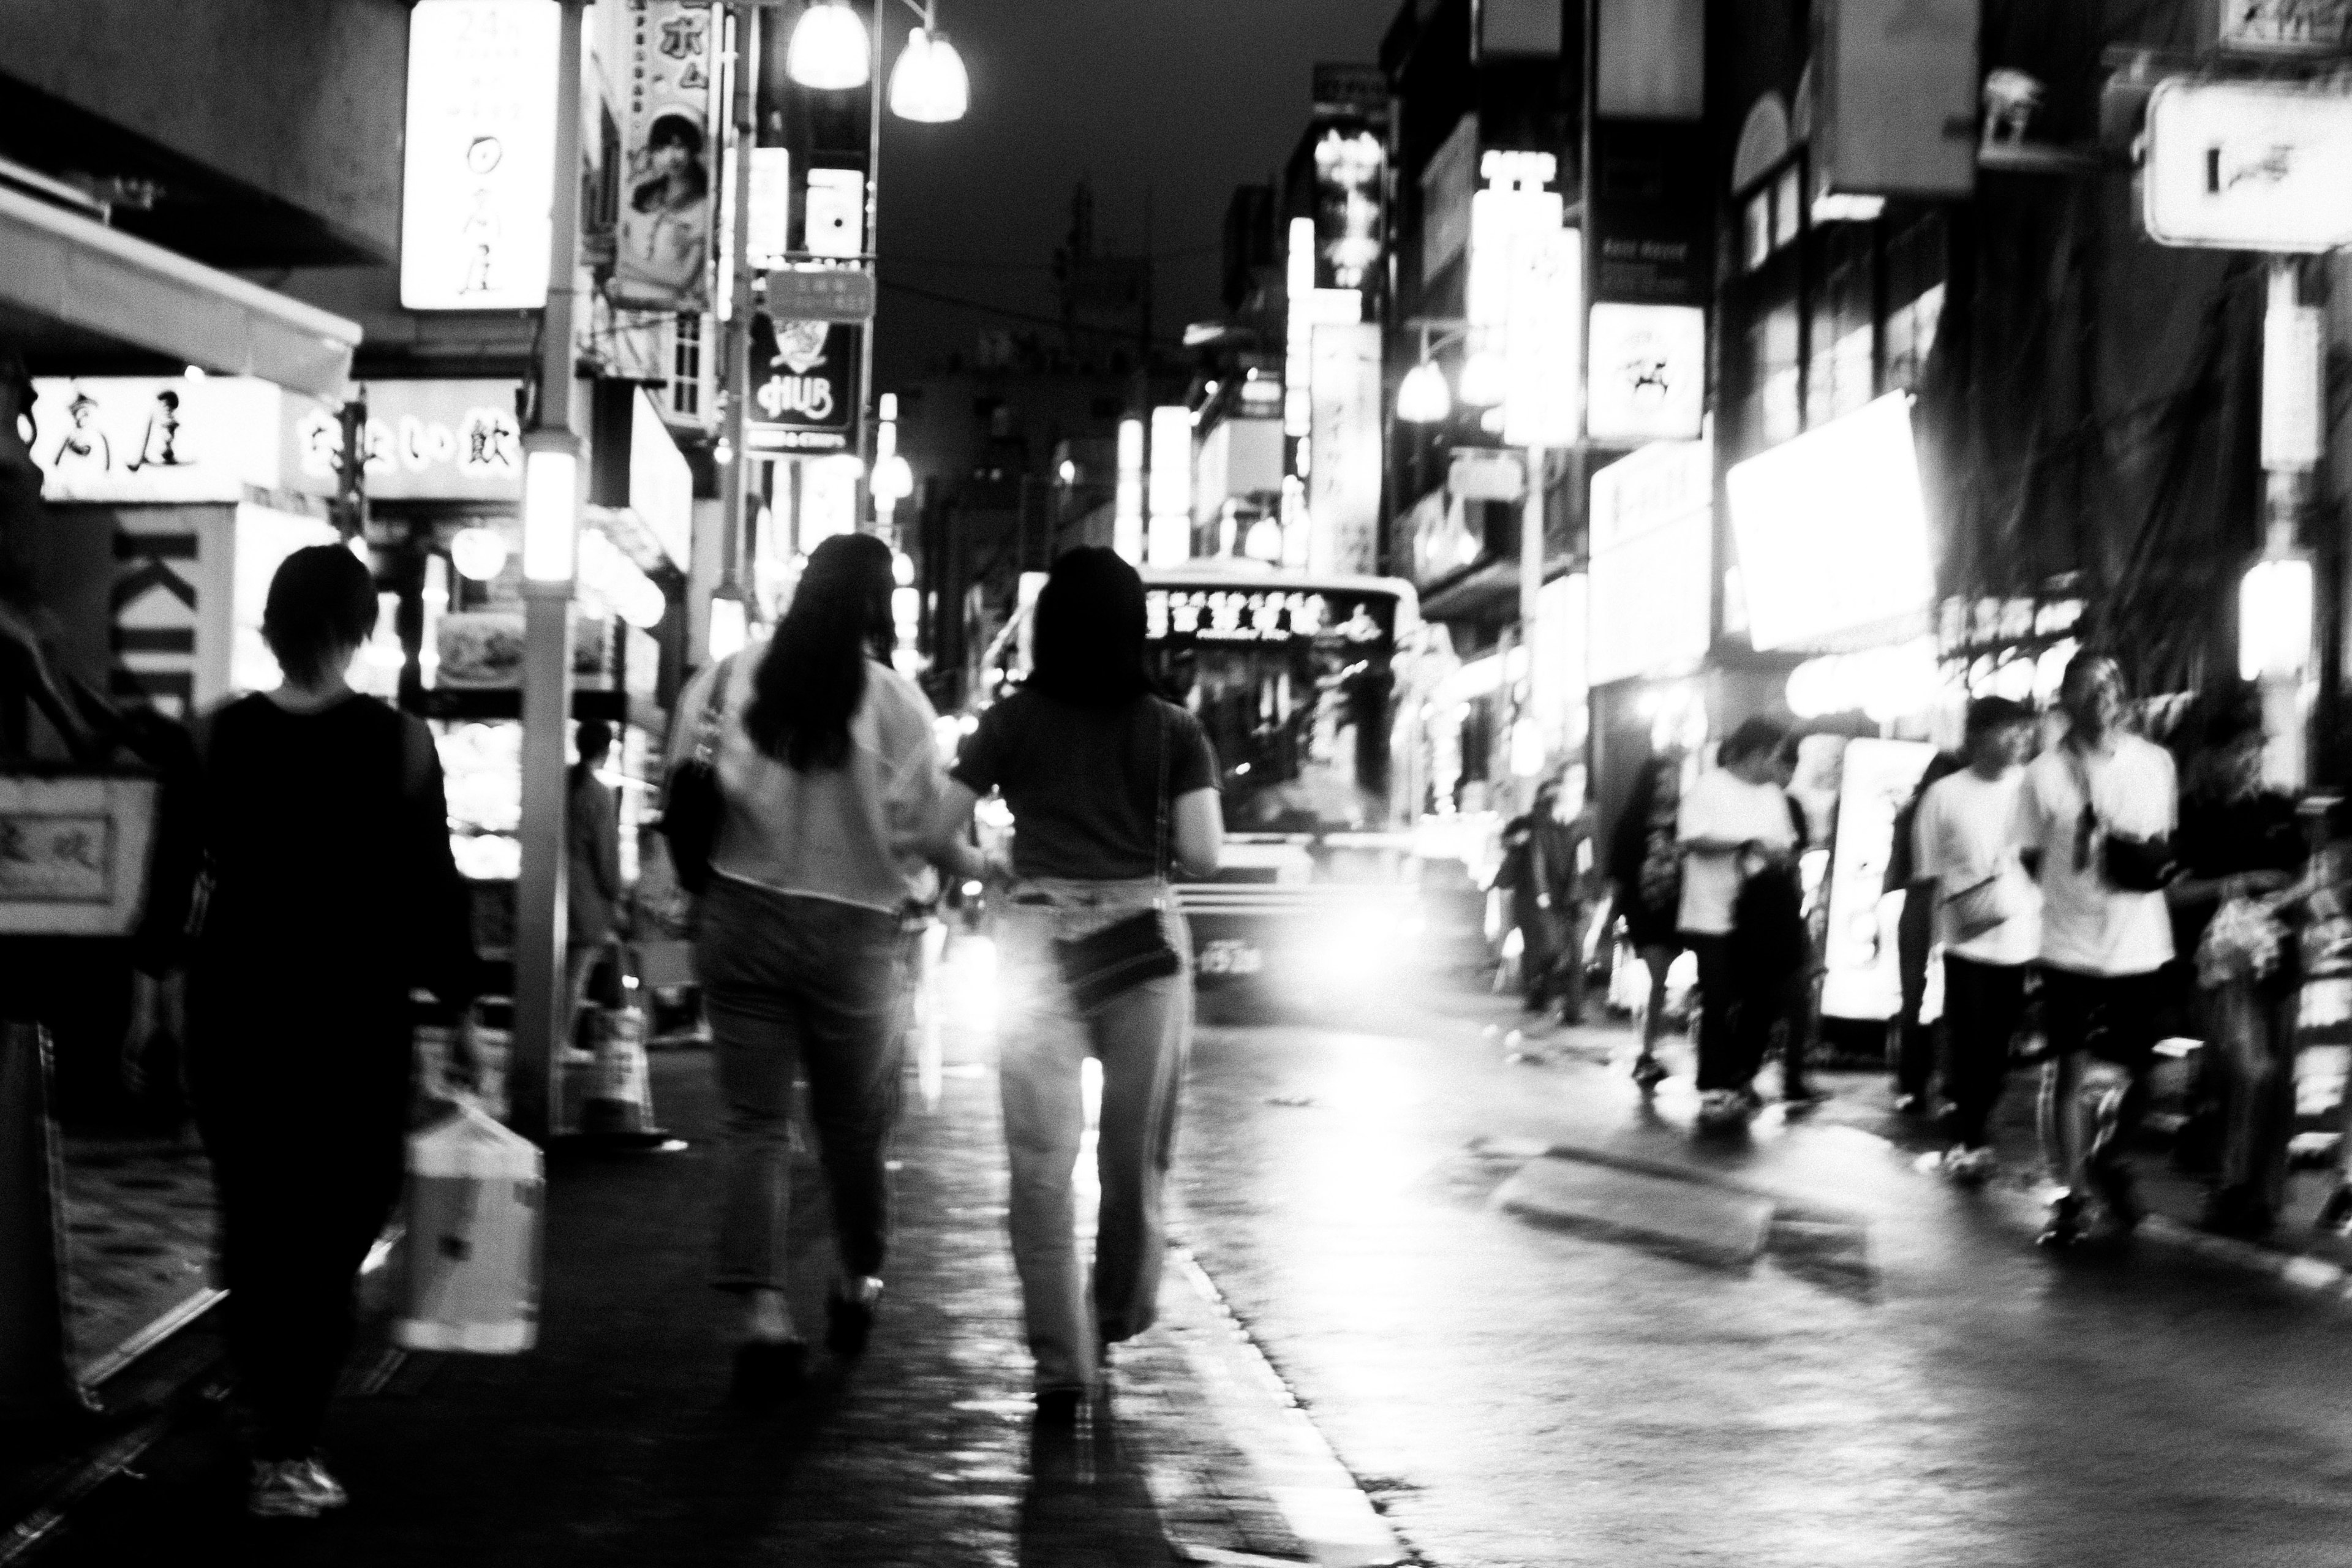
1318	1496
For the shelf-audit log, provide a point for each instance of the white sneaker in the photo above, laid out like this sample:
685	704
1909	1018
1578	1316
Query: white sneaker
1971	1167
277	1490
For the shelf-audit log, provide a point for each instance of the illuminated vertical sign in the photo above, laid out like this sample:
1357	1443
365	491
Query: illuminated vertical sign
1171	485
1343	481
479	169
1350	209
1543	343
663	241
1126	507
1513	203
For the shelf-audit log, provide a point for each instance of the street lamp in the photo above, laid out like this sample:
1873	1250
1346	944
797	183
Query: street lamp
928	83
1421	397
828	49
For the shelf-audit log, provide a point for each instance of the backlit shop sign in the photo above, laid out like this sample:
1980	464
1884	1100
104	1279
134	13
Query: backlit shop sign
1262	615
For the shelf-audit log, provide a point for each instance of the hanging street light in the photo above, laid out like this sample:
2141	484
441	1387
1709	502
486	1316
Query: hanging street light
929	84
828	49
1482	379
1421	397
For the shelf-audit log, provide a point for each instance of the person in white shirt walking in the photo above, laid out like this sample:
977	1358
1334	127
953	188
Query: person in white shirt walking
1988	916
2094	816
1735	825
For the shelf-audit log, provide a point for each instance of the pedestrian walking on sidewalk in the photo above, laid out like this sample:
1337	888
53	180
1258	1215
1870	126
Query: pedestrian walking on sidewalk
1988	917
1742	915
1915	928
1108	788
329	893
2095	821
1540	869
591	882
2241	844
830	779
1646	870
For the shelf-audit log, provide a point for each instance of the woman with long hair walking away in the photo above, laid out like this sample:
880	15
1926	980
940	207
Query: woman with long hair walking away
329	892
1110	787
831	781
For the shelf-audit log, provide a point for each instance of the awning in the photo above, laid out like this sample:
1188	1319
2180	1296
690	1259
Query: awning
61	266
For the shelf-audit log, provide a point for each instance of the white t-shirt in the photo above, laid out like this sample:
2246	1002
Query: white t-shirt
1723	805
2088	925
1962	837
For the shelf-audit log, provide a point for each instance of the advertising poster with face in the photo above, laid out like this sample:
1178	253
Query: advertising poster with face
663	237
804	395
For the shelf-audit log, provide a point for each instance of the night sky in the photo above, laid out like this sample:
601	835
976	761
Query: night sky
1186	98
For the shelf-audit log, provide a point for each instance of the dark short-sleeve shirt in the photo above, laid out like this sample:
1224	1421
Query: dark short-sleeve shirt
1083	783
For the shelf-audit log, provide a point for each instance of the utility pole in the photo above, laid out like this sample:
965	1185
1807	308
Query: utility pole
542	1012
736	336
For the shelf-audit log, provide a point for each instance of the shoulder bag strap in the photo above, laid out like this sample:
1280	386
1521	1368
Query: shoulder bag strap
2088	822
714	712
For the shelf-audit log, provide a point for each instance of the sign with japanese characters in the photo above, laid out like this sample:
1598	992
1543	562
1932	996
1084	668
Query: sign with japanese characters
2248	166
1266	615
805	395
2286	28
479	172
158	438
74	854
837	294
1648	379
1652	543
1543	396
426	440
663	237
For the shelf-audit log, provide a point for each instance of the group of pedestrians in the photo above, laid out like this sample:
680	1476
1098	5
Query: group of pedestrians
2078	883
330	894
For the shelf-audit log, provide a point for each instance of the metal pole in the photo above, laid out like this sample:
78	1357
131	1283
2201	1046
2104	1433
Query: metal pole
873	243
1532	571
541	1002
736	339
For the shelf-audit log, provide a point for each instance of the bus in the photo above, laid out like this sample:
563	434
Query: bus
1296	680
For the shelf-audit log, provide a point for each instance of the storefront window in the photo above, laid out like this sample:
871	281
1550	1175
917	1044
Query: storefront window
685	365
1789	205
1910	334
1772	345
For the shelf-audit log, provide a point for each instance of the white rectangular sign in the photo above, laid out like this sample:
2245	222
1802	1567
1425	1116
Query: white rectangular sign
2245	165
1647	381
2289	28
1833	529
662	238
161	438
1653	533
479	175
1543	346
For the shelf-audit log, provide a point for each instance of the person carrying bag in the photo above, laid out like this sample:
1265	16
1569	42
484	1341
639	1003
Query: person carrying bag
1108	786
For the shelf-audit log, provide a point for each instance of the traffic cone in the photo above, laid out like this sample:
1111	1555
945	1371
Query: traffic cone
619	1108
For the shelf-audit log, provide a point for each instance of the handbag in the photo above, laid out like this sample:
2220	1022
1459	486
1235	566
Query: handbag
692	804
2131	863
1103	965
1982	907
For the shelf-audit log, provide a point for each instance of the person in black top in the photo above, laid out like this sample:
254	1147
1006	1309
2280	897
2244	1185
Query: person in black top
1110	787
1645	879
2239	842
329	892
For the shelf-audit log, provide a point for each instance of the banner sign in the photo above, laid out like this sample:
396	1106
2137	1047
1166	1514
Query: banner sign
159	438
1351	217
804	393
1647	380
426	440
1652	541
479	169
1267	614
1343	476
1543	339
2247	166
1446	188
662	257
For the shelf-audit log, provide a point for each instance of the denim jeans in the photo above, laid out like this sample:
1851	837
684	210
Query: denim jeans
789	982
1141	1037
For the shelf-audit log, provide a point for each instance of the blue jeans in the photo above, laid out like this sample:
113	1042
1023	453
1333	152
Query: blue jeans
1141	1037
789	982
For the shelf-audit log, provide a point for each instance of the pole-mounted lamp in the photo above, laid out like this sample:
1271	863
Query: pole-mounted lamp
828	49
550	505
1422	396
928	83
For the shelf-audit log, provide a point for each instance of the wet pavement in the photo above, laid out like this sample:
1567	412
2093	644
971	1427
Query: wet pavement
1522	1308
1892	1374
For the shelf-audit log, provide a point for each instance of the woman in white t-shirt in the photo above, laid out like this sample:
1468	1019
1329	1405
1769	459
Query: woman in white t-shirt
1735	824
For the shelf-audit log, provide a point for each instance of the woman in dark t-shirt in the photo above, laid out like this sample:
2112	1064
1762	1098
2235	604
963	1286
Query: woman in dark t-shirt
1110	787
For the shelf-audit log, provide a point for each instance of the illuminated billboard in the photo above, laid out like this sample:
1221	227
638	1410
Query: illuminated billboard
663	238
480	172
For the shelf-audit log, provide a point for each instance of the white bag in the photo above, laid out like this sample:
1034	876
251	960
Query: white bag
476	1195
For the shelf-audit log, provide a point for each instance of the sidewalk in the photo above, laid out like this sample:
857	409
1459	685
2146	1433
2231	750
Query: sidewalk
612	1442
1863	1101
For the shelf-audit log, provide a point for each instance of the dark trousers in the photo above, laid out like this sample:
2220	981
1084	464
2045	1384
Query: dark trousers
1738	1011
1983	1005
2113	1017
1915	1048
306	1165
795	984
1551	954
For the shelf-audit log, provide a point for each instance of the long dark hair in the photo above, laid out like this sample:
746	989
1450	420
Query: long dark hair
1088	636
813	676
